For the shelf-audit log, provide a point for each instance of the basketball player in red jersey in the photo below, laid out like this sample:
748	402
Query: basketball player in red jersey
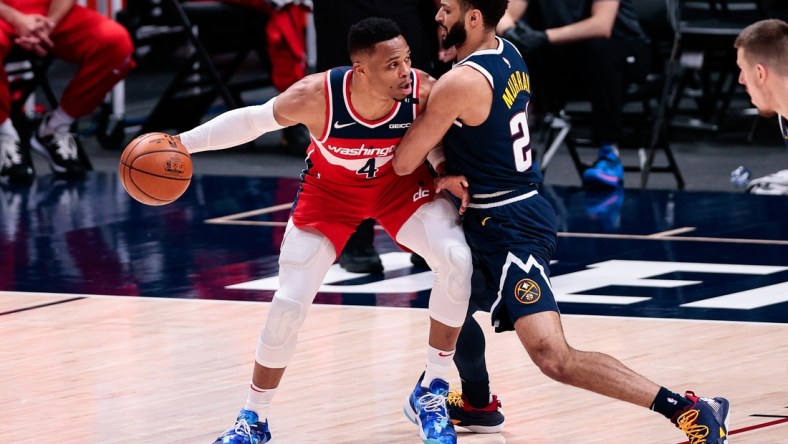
101	48
356	116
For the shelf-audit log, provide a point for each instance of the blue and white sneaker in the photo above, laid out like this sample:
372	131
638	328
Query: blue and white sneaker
705	421
427	409
607	171
247	430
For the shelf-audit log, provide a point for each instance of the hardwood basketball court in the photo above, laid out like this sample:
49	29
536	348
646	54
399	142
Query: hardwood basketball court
129	324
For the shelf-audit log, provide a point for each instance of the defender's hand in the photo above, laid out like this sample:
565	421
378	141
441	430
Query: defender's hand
457	186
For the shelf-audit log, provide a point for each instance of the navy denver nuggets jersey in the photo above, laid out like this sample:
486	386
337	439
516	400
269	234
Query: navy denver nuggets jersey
496	155
784	129
353	149
508	225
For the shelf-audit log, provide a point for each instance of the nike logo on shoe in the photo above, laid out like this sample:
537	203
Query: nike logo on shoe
338	125
445	355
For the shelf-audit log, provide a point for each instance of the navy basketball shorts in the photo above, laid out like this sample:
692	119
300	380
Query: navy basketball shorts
512	246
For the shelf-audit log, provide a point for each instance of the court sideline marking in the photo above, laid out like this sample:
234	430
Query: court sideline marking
236	219
33	307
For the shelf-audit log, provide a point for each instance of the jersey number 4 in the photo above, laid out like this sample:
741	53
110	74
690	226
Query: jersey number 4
369	169
522	141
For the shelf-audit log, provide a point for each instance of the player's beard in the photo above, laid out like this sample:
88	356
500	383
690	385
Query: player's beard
761	97
455	36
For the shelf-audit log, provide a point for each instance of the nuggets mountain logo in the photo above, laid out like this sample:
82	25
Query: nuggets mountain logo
527	291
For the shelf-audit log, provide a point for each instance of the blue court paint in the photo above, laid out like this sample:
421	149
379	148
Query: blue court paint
638	253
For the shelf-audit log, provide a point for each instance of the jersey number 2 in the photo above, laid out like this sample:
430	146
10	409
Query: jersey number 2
522	142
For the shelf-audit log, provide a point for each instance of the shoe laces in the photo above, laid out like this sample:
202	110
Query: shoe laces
240	428
434	403
455	398
687	422
10	150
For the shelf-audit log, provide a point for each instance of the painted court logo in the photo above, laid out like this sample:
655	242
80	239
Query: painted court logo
527	291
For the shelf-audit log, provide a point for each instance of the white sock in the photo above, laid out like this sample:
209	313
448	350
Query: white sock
259	400
56	119
7	128
439	365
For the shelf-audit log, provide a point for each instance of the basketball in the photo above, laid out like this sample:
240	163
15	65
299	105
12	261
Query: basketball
155	169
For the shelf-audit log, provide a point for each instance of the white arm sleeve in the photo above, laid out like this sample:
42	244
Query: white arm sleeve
232	128
436	157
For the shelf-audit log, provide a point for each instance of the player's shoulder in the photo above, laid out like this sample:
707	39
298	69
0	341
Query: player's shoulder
426	83
462	77
304	100
460	87
308	90
311	84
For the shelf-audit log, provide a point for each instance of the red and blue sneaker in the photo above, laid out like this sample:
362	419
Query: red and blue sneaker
426	407
606	172
705	421
488	419
248	429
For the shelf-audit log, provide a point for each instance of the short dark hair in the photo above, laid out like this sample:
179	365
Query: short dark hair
766	42
367	33
492	10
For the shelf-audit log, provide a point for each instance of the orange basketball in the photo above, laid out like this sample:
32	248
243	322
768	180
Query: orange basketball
155	169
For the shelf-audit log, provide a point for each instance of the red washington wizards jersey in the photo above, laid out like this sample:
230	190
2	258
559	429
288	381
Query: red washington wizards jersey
349	176
353	149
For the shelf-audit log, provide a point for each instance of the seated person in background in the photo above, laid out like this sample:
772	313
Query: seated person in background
761	55
285	34
101	47
597	46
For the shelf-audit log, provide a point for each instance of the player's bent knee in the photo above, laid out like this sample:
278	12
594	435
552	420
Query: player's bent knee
553	361
278	338
459	276
284	319
452	289
555	369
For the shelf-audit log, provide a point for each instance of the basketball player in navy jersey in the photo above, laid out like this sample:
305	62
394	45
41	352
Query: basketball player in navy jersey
761	49
480	106
356	116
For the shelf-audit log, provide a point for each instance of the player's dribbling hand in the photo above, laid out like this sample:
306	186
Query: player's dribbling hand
457	186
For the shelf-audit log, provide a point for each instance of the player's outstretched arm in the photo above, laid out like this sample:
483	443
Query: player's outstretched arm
243	125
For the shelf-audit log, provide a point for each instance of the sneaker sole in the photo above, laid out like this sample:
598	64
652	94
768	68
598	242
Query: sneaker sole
409	412
483	429
270	441
414	418
726	419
